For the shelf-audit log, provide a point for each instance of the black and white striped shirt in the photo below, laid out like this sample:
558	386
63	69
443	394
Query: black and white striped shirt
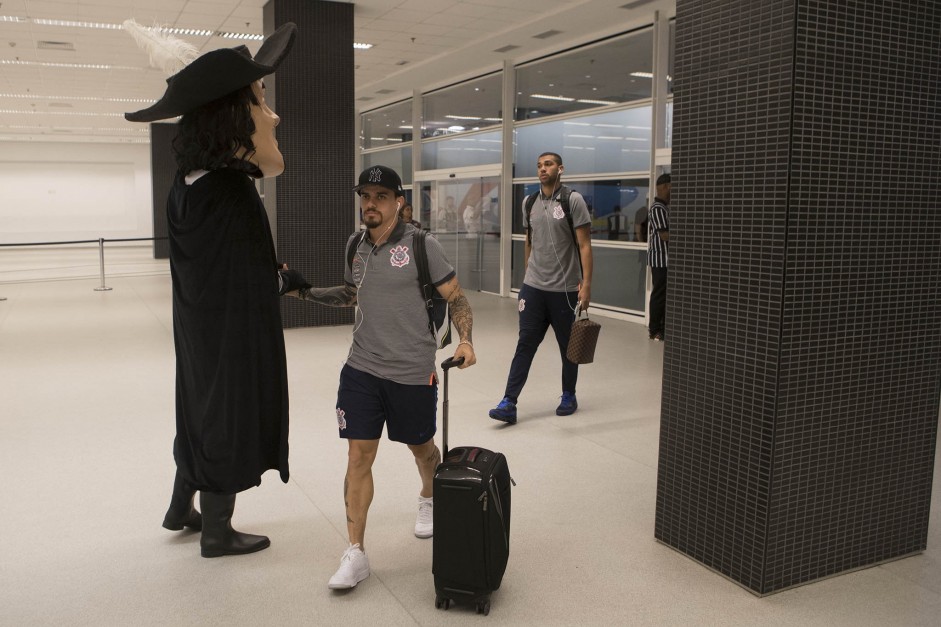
658	221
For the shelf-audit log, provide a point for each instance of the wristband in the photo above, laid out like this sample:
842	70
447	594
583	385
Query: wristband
465	342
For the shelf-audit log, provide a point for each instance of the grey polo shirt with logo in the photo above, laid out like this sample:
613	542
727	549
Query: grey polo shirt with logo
553	261
391	339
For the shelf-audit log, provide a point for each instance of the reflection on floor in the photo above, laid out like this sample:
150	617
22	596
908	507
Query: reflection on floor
86	428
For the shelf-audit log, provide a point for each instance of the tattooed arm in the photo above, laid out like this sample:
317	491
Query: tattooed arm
463	319
339	296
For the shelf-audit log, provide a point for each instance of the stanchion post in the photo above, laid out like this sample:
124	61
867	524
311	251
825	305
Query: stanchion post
101	265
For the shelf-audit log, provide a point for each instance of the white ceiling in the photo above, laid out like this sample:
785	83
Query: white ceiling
46	94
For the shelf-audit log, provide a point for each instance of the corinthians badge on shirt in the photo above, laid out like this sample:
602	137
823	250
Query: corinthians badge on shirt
399	256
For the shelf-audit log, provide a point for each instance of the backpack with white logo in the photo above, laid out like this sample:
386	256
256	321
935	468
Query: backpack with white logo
439	314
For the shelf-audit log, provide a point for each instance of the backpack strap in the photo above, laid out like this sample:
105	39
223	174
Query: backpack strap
528	202
351	249
424	274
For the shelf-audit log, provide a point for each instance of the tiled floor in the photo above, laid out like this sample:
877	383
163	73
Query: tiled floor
86	425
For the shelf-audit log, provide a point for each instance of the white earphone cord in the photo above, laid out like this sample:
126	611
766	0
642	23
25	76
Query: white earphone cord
362	279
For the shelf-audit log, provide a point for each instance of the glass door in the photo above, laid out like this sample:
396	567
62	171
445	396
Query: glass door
463	212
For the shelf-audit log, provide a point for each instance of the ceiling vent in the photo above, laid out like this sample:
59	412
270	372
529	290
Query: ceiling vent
635	4
56	45
403	62
547	34
385	91
506	48
365	98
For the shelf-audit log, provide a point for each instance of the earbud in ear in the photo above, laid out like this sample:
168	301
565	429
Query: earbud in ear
398	206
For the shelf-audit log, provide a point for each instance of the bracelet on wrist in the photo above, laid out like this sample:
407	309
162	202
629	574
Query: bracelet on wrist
465	342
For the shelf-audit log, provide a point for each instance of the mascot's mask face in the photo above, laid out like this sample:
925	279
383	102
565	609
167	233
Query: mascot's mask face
266	156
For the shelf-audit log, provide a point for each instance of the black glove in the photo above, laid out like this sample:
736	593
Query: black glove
290	280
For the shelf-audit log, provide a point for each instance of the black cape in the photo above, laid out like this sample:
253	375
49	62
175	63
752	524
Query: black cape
231	371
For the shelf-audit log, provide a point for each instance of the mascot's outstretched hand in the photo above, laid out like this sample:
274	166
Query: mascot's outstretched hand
290	280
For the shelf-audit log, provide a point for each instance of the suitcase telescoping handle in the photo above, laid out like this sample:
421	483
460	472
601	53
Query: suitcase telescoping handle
446	365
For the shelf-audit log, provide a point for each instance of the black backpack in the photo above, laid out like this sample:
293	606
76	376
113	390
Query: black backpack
439	314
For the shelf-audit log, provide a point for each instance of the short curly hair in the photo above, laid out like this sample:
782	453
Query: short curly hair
211	136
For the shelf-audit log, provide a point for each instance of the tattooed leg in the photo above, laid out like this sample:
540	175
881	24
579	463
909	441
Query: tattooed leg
427	458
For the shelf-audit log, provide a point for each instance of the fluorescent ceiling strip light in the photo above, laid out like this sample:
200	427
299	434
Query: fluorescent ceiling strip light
83	113
241	36
173	30
597	102
493	119
71	24
362	46
74	66
462	117
642	74
86	98
547	97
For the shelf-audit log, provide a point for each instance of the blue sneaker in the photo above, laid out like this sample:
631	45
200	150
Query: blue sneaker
568	405
505	411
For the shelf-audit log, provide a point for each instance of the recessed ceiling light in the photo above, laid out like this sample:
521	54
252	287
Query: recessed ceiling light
362	46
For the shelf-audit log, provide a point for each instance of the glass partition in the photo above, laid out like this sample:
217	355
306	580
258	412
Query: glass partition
465	107
399	159
387	126
610	72
465	150
619	276
614	205
617	141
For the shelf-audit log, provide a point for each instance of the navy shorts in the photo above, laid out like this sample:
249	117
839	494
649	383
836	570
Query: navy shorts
365	402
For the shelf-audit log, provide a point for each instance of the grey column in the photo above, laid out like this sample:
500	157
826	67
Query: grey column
311	202
802	363
162	170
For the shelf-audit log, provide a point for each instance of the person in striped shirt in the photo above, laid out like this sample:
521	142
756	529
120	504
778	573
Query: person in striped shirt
658	239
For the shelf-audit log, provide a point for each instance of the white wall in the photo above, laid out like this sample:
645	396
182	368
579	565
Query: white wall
73	191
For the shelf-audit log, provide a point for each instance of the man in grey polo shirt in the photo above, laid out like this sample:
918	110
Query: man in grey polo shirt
389	377
557	282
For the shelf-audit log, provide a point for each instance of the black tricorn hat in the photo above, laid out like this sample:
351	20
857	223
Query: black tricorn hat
216	74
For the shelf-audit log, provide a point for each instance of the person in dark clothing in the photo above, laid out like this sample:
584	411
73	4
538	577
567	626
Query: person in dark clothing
231	371
657	248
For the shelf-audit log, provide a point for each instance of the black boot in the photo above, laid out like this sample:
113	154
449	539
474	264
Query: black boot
182	513
218	536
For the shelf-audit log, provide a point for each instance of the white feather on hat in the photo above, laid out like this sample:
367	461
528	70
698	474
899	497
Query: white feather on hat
167	53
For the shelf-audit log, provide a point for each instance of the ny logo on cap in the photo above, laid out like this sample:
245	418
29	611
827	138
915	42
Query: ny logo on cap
375	175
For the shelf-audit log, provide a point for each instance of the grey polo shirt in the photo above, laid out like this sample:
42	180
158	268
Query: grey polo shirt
391	339
553	261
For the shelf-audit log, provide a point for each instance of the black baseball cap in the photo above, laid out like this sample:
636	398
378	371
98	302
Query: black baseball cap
383	177
663	179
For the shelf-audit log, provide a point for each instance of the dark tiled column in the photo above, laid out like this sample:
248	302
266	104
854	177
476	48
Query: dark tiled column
803	359
162	170
312	201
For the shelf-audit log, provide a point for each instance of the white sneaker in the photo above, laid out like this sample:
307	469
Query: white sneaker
354	567
425	523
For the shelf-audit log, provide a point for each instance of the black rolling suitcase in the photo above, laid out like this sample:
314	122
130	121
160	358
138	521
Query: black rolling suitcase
471	521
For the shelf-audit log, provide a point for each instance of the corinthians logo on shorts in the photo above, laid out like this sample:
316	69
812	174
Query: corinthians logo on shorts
399	256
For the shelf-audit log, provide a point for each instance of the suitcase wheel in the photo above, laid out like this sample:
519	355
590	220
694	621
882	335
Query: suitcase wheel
483	608
442	602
